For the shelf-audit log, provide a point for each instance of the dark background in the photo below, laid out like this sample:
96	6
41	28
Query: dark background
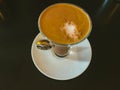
18	28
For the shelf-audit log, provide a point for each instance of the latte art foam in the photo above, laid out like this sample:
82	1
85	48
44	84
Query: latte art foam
70	31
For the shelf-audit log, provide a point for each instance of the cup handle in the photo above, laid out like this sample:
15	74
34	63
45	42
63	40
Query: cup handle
59	50
43	44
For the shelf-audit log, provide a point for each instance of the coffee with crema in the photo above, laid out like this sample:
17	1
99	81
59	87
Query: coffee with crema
64	23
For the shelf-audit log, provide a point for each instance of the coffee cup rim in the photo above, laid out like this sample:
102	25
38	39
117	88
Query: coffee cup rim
88	16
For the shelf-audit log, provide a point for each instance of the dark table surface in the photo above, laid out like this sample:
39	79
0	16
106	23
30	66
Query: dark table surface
18	28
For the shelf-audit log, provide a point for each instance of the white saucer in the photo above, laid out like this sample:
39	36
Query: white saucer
65	68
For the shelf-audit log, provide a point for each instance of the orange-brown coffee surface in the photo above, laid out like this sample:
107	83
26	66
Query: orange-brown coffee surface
65	23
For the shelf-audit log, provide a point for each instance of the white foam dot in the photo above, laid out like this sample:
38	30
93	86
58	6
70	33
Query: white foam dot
70	28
